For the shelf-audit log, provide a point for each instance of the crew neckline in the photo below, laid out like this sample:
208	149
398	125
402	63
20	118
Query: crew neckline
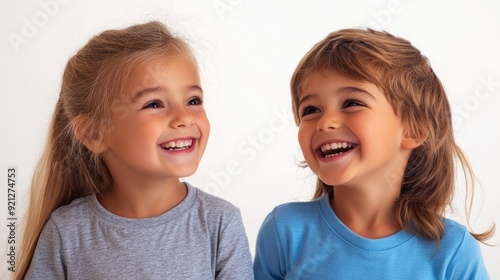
367	244
171	214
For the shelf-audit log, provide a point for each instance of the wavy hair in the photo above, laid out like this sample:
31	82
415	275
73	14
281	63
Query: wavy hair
419	99
91	82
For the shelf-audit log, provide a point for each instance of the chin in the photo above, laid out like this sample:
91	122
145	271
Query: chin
186	172
333	181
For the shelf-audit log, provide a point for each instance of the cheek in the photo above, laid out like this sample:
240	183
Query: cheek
304	137
377	131
204	127
366	123
203	124
136	132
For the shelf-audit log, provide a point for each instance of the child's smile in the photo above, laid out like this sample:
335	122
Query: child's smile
178	147
348	131
335	149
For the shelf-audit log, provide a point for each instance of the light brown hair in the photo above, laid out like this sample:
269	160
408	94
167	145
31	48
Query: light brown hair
91	82
417	96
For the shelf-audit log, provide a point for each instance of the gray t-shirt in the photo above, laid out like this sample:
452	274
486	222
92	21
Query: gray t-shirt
201	238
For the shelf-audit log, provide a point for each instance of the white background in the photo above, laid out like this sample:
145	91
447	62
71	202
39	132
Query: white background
247	51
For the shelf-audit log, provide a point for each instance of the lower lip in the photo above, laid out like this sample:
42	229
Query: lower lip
180	152
334	158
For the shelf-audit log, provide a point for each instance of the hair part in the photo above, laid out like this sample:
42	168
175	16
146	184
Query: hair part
92	81
417	96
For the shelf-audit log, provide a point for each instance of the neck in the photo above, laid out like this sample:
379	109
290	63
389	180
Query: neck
143	201
368	211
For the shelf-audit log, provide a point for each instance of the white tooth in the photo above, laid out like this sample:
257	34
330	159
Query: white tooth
344	145
323	148
171	144
186	143
333	146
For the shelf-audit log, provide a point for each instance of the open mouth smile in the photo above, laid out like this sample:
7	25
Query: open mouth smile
177	145
335	149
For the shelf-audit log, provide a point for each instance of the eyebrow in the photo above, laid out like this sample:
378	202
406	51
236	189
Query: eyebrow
344	90
145	92
347	90
150	90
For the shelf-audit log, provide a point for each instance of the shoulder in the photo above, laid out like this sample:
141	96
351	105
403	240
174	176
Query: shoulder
458	243
213	203
297	210
455	232
216	214
463	252
294	215
72	213
66	220
214	210
457	237
285	229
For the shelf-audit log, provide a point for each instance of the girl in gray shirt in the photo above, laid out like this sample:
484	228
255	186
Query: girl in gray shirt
106	199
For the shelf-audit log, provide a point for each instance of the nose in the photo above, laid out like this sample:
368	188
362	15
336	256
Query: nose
181	117
328	121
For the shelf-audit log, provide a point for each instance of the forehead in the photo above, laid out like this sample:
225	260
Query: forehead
331	82
160	70
159	65
317	80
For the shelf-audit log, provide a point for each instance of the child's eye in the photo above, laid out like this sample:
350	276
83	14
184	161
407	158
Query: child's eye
195	101
352	102
155	104
309	110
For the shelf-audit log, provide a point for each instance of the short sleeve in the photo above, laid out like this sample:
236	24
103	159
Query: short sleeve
233	257
468	261
269	258
47	261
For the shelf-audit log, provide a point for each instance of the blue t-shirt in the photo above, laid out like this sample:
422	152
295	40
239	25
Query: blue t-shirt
306	240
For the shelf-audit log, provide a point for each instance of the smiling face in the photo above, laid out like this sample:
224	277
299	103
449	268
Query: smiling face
159	127
348	132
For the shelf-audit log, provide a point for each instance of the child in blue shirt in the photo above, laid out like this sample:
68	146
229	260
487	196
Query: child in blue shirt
375	127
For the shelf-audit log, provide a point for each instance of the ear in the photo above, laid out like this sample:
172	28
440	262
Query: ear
413	137
89	134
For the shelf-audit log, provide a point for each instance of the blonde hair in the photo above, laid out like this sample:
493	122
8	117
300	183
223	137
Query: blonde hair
91	82
419	99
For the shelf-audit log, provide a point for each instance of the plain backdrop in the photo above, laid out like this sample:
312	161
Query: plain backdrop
247	51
